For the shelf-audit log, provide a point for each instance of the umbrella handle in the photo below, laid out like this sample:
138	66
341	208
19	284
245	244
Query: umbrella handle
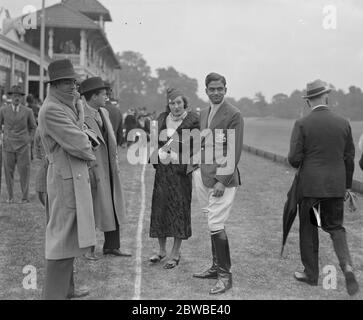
282	251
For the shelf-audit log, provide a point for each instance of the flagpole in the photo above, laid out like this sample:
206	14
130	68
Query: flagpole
42	49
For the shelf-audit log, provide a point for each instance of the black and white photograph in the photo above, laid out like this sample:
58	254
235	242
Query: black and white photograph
203	152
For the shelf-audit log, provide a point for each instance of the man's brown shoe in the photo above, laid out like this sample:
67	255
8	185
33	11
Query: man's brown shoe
207	274
116	252
80	293
350	281
222	286
91	256
302	277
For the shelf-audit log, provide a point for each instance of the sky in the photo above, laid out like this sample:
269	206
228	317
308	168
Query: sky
268	46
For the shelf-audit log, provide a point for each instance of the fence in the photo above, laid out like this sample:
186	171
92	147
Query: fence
357	186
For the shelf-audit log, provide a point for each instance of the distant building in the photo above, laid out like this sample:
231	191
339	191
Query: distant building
74	29
17	59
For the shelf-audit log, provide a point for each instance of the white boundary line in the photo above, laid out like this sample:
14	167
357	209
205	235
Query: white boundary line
138	267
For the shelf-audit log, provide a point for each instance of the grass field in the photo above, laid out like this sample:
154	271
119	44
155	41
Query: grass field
273	135
254	230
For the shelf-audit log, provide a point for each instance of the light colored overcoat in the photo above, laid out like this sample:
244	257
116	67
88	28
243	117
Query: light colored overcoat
108	198
71	227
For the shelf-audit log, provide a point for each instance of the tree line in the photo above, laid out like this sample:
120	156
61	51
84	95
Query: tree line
140	88
348	105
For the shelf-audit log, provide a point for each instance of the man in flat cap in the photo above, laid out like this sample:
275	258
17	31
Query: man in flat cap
70	230
321	146
108	200
19	128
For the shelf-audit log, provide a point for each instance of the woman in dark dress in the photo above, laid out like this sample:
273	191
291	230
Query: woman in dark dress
172	194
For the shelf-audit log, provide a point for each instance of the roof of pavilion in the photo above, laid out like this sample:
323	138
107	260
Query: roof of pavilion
92	8
62	15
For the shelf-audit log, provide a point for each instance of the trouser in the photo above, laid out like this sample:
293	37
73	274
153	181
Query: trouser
31	152
332	214
21	158
59	281
112	239
216	209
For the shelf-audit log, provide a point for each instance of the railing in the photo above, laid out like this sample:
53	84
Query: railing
357	185
75	58
96	70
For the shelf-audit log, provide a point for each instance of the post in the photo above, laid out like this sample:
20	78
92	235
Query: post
83	49
101	22
12	74
50	43
42	49
27	77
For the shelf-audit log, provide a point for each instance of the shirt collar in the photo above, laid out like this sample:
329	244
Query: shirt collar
15	108
215	106
93	111
319	106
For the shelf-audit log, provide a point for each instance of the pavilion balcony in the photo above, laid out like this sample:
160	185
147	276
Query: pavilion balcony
74	58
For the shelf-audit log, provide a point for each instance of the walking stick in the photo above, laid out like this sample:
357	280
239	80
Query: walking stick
1	158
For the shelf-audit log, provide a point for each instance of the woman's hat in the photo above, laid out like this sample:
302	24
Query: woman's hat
61	69
172	94
16	90
316	88
91	84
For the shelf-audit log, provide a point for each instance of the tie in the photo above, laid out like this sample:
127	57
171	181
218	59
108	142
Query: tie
211	115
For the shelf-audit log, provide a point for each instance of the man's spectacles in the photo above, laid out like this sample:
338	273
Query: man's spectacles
69	82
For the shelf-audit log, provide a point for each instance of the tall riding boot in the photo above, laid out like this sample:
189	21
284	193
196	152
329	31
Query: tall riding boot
211	273
224	263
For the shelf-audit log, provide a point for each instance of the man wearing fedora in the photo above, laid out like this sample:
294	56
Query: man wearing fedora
115	116
70	231
108	199
19	128
321	146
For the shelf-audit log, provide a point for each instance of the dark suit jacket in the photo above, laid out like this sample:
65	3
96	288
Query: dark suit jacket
322	144
116	121
216	143
19	128
130	122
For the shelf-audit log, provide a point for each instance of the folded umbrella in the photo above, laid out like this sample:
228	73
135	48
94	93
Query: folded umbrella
290	209
351	200
1	158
